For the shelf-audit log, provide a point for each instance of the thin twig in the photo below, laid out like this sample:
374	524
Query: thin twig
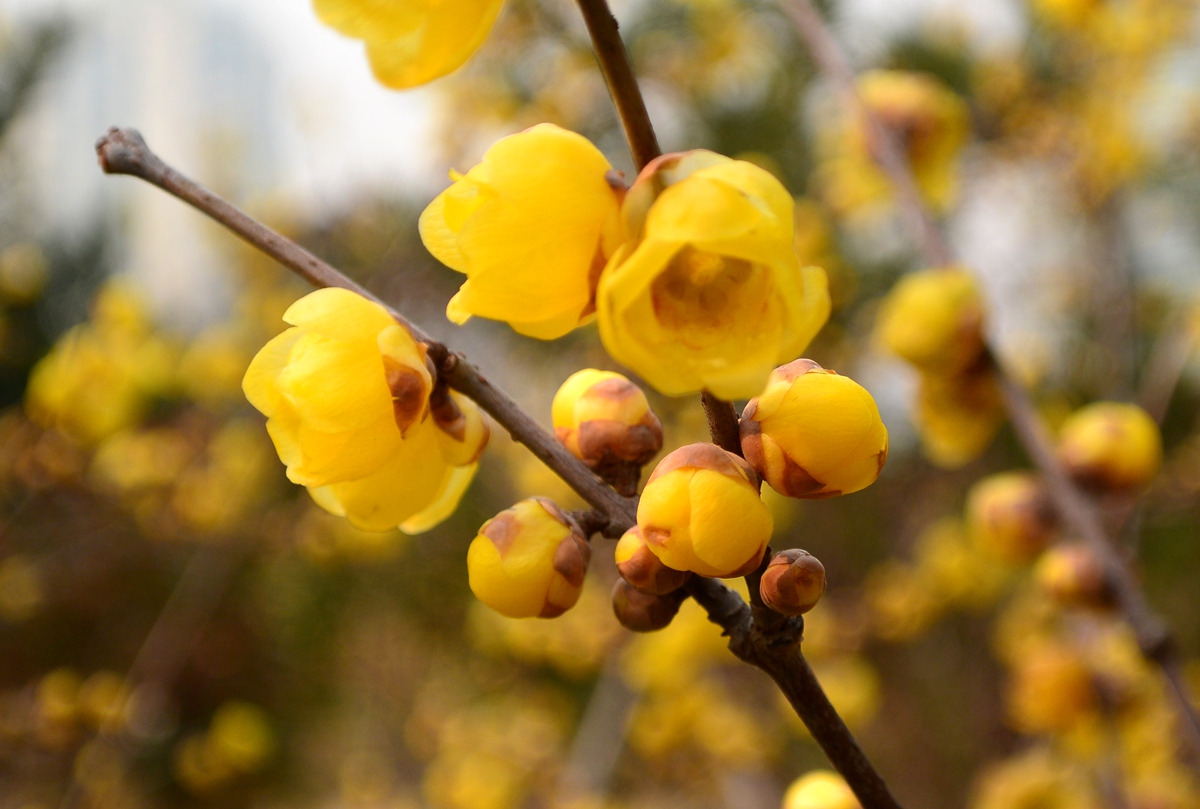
1073	505
622	85
1165	366
600	736
123	151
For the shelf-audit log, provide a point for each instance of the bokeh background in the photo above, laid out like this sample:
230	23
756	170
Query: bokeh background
180	626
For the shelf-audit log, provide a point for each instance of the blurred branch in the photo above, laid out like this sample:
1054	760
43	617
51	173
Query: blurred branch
24	67
1167	361
123	151
778	654
622	84
1073	505
601	734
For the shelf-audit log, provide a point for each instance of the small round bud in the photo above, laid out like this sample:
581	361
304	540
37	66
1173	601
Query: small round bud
933	319
1010	517
701	511
814	434
1111	445
603	418
1051	689
820	789
642	569
793	582
529	560
1073	576
643	612
958	415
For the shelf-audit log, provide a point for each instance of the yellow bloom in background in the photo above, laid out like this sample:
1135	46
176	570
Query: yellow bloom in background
414	41
529	561
933	319
931	123
531	227
814	434
1010	517
820	789
708	293
102	375
346	395
1050	690
1111	445
701	511
957	417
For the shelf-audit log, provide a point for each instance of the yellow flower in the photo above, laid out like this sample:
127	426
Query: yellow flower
603	418
814	434
1111	445
820	789
701	511
708	292
933	319
414	41
1010	517
932	124
346	396
529	561
531	226
1051	689
957	416
1072	575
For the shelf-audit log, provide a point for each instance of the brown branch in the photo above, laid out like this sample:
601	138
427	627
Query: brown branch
622	85
778	654
123	151
1075	508
722	423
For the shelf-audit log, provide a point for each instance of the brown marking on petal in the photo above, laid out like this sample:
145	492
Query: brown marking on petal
647	573
616	181
571	559
751	564
796	369
551	610
613	389
797	482
447	415
554	511
641	612
653	535
410	393
752	444
502	530
704	456
599	262
750	410
881	459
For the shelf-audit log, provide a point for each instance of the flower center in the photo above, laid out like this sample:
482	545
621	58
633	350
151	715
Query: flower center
699	290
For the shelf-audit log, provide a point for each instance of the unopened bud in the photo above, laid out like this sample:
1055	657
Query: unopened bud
1111	445
642	569
793	582
701	511
643	612
934	319
1073	576
529	561
814	434
820	789
1010	517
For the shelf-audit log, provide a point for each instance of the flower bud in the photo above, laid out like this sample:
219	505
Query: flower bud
814	434
642	569
820	789
793	582
643	612
1111	445
605	421
1010	517
701	511
1073	576
1051	689
529	560
933	319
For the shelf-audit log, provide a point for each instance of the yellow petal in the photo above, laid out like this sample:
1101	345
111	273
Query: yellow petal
454	486
450	32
